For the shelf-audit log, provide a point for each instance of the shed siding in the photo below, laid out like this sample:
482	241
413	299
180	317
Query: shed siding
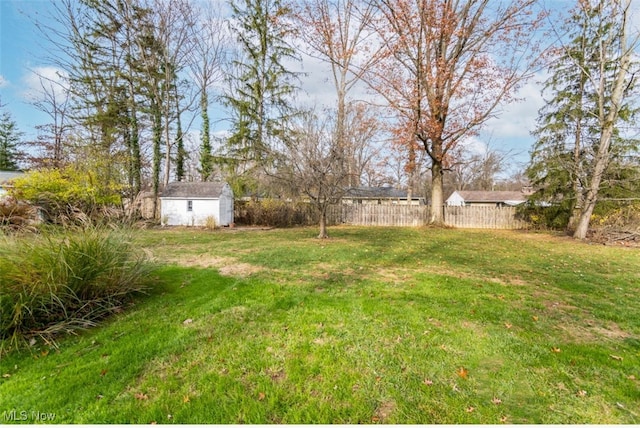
225	207
174	212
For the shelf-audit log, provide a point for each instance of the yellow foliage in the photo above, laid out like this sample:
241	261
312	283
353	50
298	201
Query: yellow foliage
68	185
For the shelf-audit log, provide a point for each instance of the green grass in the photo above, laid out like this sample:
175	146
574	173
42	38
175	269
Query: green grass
372	326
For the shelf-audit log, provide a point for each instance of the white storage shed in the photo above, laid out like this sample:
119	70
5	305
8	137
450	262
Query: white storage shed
196	204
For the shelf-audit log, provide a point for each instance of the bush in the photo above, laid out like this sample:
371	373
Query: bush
555	217
276	213
70	196
64	282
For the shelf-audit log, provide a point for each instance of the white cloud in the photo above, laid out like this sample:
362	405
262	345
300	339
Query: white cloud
40	79
518	119
474	146
3	81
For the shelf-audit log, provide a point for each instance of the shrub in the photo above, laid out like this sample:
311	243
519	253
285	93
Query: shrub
273	212
64	282
210	223
69	196
545	217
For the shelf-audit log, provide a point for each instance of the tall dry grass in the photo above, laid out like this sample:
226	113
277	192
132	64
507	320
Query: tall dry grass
65	281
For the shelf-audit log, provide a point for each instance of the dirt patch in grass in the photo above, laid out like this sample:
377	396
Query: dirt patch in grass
592	333
384	411
227	266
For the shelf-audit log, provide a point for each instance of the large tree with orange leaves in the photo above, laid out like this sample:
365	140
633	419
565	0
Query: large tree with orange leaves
446	66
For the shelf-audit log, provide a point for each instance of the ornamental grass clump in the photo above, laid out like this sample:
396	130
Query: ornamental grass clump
64	282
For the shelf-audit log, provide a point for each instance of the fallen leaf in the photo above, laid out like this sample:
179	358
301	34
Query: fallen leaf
103	372
503	419
462	372
496	400
185	399
581	393
261	396
140	396
153	423
632	377
375	419
615	357
428	382
6	375
99	397
507	325
470	409
45	353
187	321
554	349
535	318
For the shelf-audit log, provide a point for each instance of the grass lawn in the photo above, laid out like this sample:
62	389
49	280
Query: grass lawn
376	325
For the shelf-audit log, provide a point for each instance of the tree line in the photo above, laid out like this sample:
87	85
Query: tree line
411	82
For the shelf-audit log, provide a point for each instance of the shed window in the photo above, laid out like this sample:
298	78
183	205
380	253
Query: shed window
189	205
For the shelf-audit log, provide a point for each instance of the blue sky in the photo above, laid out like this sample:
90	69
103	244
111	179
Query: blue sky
22	53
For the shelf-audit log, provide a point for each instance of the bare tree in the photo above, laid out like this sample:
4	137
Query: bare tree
207	62
477	170
311	163
338	33
54	100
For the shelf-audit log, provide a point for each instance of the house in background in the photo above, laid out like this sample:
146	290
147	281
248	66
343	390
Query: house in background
196	204
5	179
379	196
486	198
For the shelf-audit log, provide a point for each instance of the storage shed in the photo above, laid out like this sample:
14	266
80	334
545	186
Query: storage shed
196	204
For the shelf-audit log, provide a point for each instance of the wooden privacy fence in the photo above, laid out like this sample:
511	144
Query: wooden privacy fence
483	217
378	215
408	215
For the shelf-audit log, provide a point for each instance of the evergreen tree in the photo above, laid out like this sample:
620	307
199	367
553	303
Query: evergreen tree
259	95
566	152
9	142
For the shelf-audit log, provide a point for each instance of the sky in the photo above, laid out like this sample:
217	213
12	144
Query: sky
23	55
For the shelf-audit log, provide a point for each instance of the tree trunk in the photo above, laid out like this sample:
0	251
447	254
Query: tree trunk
601	161
157	140
323	223
437	197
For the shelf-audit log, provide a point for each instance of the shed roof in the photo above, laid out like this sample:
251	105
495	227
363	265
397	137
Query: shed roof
375	193
492	196
180	189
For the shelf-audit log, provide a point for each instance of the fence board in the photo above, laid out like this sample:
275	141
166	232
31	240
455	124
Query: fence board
483	217
411	215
